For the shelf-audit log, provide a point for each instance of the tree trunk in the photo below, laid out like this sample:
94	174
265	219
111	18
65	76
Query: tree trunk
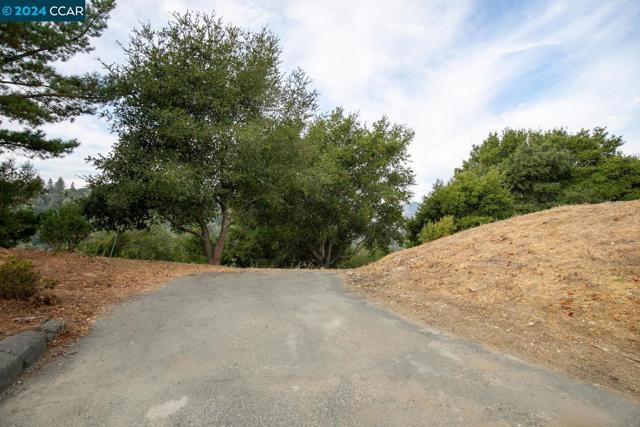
206	241
226	222
113	247
322	255
319	254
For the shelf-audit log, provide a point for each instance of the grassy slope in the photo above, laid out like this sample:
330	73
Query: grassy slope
560	287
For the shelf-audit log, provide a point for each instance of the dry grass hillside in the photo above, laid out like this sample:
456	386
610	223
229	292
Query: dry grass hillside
560	287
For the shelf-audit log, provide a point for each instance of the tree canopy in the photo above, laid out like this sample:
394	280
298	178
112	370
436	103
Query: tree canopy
217	143
33	92
64	227
212	132
341	186
521	171
185	98
18	185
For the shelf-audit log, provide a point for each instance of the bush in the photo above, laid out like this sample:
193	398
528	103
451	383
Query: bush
65	227
435	230
18	185
191	249
468	193
157	242
471	221
363	257
18	279
17	226
99	243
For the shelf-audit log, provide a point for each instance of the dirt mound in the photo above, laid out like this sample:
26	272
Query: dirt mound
559	287
87	287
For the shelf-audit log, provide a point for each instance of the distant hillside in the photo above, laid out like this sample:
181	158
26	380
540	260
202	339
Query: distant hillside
560	287
56	194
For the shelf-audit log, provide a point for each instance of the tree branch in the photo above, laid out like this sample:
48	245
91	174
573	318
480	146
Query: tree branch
186	230
32	52
6	82
50	95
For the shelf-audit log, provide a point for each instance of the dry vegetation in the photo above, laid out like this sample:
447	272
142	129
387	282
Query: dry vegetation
559	287
87	287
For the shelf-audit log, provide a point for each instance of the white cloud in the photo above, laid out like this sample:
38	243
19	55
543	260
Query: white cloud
95	139
454	71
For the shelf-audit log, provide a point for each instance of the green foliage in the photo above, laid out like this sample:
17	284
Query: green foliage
117	205
239	145
17	186
613	178
340	183
33	92
545	169
56	194
154	244
523	171
65	227
17	226
178	154
435	230
18	279
157	242
535	174
362	257
189	249
471	221
469	193
99	243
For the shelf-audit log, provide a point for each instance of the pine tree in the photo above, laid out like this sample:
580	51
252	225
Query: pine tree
33	92
59	185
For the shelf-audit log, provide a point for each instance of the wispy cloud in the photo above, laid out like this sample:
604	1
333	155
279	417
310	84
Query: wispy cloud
454	71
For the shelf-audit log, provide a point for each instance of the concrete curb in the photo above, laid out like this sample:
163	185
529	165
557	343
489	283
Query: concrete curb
10	368
20	351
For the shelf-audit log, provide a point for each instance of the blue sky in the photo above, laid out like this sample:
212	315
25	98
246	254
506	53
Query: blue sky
452	70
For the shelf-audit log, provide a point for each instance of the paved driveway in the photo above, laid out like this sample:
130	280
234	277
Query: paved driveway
291	349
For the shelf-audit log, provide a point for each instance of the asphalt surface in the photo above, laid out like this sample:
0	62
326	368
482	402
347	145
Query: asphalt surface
291	349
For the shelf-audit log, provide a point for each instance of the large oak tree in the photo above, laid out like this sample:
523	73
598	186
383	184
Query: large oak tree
342	189
186	95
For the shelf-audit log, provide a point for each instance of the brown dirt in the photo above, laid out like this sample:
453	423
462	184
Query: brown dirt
88	286
559	287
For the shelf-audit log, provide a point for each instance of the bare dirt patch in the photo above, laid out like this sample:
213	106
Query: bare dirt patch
559	287
88	286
